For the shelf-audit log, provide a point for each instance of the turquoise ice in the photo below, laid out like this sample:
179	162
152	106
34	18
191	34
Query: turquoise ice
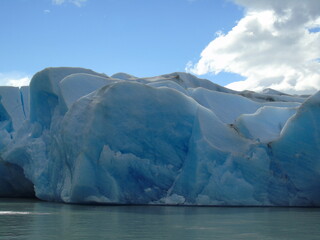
171	139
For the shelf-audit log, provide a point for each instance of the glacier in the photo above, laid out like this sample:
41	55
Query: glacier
77	136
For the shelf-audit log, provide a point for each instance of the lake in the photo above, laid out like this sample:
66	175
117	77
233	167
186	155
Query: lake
32	219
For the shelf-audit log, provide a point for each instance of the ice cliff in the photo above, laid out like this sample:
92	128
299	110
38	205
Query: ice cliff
172	139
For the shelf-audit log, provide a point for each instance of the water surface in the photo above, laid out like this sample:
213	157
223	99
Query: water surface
31	219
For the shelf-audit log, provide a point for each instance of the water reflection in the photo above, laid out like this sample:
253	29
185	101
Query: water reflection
28	219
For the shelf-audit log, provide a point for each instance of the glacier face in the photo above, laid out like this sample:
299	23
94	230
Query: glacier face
13	112
171	139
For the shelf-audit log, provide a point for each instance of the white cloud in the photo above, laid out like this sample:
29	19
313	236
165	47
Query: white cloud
78	3
19	82
58	2
14	79
271	46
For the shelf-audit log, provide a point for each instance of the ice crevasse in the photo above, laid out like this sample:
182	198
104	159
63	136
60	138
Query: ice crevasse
78	136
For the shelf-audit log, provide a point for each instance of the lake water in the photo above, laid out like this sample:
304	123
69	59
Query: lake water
31	219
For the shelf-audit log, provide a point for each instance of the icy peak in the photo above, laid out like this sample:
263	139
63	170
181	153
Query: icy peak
123	76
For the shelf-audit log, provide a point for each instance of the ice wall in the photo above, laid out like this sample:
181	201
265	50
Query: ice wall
13	102
297	151
171	139
45	94
14	111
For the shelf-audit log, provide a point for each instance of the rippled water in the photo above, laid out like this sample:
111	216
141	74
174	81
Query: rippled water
30	219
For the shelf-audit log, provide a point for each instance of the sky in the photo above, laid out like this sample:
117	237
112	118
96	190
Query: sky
241	44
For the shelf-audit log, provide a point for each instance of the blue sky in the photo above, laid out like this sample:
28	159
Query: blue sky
140	37
243	44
